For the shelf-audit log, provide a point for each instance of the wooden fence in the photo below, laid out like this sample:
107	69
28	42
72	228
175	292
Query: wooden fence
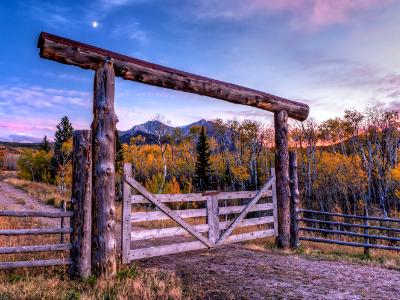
218	222
36	248
324	227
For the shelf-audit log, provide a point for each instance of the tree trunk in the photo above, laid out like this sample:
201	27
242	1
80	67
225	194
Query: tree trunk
282	179
81	201
103	126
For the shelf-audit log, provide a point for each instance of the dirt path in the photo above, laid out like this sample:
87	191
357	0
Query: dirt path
234	272
12	198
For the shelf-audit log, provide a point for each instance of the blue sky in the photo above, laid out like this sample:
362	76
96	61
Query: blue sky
332	55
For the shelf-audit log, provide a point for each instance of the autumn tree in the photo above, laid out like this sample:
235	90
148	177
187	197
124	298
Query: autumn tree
203	170
62	152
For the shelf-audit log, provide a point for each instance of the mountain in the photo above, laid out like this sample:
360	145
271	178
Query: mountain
147	130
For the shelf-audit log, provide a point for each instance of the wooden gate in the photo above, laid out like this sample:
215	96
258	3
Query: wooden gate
209	223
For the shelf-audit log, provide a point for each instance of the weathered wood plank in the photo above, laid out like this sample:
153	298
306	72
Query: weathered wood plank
194	213
248	236
103	229
167	198
88	57
167	249
146	234
34	263
126	216
165	209
282	178
81	202
38	248
35	231
34	214
212	219
245	211
274	203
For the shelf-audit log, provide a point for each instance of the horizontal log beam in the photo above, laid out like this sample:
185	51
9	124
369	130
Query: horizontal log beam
34	214
35	231
39	248
34	263
348	224
88	57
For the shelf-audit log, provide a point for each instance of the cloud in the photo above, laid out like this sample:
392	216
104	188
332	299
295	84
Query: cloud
131	31
311	15
41	98
51	14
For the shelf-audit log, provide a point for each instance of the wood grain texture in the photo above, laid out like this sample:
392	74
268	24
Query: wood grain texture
34	263
38	248
35	231
103	128
294	200
81	202
34	214
282	178
88	57
126	216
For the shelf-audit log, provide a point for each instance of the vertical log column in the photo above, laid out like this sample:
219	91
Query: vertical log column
282	178
81	200
103	127
294	200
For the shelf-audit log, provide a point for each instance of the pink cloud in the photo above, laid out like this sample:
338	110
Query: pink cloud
310	15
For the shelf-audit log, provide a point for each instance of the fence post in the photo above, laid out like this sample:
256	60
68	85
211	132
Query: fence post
81	204
282	178
212	217
104	252
366	232
294	200
62	225
274	203
126	216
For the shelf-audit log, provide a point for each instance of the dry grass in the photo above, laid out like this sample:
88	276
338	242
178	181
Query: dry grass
132	282
46	193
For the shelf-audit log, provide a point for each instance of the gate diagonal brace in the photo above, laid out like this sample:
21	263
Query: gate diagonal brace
244	212
165	209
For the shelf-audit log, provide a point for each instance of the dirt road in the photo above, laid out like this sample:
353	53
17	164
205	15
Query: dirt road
234	272
12	198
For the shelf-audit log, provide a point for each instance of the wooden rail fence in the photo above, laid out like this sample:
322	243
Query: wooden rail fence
313	223
35	248
219	232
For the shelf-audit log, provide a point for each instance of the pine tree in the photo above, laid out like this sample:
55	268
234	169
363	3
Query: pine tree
45	146
202	178
61	155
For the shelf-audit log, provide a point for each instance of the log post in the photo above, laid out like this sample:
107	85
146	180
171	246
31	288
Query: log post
294	200
103	127
81	203
282	178
126	216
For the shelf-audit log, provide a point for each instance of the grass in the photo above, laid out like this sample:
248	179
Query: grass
132	282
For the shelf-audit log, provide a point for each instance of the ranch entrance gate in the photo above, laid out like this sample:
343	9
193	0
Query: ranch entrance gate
93	195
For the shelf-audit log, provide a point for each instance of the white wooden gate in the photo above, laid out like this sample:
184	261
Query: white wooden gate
218	227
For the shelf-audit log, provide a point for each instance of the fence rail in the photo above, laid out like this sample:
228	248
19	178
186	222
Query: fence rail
35	248
313	219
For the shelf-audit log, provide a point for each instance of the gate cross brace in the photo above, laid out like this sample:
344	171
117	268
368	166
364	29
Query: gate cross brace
165	209
245	211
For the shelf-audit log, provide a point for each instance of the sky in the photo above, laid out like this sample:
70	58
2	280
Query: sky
330	54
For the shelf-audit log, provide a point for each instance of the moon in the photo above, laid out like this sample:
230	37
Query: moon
95	24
